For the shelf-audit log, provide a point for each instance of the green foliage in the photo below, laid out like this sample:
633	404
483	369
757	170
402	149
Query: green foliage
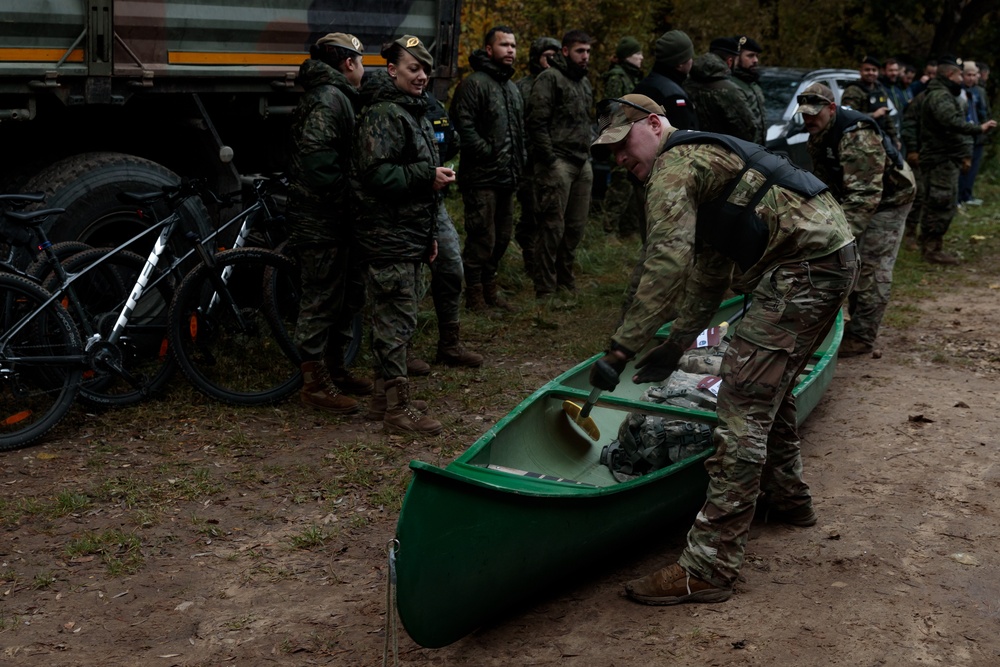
119	550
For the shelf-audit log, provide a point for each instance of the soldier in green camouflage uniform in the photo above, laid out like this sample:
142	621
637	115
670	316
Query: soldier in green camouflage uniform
488	114
869	97
558	127
875	187
720	104
712	225
746	75
944	144
623	199
526	229
321	211
910	138
397	163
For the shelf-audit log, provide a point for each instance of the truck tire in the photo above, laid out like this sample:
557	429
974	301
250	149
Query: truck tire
87	185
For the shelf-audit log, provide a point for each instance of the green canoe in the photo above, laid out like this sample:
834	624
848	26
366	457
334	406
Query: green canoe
529	506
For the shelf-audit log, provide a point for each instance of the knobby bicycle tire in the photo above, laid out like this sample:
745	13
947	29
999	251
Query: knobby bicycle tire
36	387
228	342
143	347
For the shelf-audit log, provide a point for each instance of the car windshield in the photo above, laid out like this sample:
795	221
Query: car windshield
778	85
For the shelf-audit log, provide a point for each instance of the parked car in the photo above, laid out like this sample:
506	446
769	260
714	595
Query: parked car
785	132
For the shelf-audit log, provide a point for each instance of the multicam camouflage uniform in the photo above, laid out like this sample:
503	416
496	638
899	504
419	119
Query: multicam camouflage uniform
559	128
721	105
321	209
623	199
876	195
488	114
799	284
395	159
944	142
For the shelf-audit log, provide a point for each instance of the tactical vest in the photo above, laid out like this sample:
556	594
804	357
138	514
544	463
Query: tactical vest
737	232
848	120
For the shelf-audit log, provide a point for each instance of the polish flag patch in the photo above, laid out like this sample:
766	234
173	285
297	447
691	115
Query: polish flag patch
682	103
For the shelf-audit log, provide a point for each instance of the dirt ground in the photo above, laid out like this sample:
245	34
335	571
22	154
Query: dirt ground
902	569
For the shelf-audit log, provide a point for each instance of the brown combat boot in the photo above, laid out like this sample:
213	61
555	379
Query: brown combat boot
376	407
493	297
673	585
414	364
319	392
853	347
400	414
474	300
346	381
931	250
450	350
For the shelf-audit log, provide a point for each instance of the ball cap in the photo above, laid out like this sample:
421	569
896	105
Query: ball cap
617	115
343	40
813	99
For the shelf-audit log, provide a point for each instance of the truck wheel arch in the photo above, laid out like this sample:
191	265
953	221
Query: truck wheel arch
87	185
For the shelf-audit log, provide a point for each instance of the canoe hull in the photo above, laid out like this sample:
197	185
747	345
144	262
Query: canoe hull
477	540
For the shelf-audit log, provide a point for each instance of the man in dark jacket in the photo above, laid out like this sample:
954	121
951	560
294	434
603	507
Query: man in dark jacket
746	74
320	207
720	104
674	58
943	149
488	115
559	127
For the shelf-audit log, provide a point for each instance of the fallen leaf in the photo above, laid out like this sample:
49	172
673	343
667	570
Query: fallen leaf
965	559
961	404
183	606
46	456
920	419
69	625
838	584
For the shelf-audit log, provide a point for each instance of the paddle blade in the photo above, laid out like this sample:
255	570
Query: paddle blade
586	424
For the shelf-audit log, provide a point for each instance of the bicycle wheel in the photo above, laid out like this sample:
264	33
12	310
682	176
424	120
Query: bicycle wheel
38	376
39	268
223	332
138	364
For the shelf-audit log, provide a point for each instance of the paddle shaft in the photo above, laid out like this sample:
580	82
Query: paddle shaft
595	393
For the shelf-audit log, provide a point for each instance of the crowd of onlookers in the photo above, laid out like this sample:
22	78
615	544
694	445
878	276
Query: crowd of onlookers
377	143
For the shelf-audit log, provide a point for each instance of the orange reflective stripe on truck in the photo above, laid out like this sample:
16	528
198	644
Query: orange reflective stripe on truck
39	55
251	58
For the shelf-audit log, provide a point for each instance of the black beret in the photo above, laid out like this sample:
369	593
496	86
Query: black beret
871	60
748	44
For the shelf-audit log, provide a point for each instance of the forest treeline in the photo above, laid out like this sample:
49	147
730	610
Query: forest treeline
794	33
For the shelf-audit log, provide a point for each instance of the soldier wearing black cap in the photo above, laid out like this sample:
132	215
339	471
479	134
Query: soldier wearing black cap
746	74
720	104
869	97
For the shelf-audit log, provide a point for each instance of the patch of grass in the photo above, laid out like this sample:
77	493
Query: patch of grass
120	551
200	484
312	537
9	622
241	623
14	512
70	502
43	580
129	491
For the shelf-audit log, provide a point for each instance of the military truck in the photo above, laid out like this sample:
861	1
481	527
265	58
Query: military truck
98	96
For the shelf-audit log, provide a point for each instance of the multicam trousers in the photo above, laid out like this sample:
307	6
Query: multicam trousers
623	204
878	247
757	444
938	193
489	223
332	295
562	203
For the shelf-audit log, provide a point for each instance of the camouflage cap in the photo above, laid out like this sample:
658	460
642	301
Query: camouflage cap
343	40
813	99
617	115
416	48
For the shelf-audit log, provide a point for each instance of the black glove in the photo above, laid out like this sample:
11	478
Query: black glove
657	364
604	374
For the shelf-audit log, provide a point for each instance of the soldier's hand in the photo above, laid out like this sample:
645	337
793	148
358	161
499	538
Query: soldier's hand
988	125
657	364
605	373
432	252
913	159
443	176
966	165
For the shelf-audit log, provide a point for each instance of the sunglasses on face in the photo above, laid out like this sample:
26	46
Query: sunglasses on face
812	99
